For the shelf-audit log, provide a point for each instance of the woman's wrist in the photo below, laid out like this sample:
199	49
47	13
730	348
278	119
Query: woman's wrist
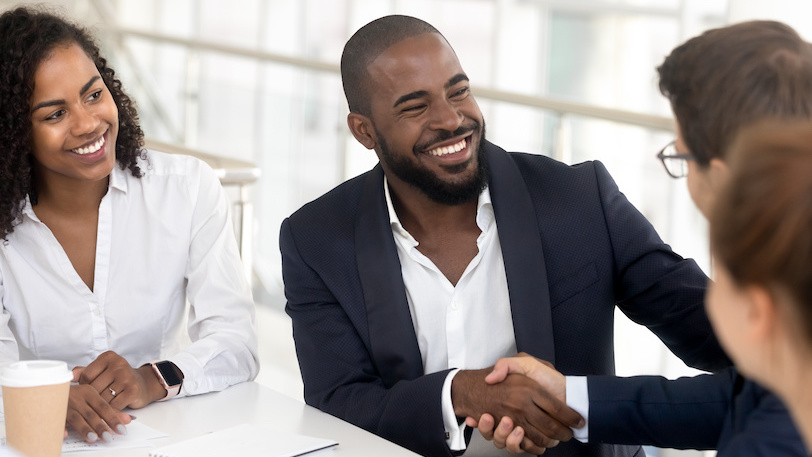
154	388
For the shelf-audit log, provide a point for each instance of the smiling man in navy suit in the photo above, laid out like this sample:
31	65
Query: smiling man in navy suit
406	283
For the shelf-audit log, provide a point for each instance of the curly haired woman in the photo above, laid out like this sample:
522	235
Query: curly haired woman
103	243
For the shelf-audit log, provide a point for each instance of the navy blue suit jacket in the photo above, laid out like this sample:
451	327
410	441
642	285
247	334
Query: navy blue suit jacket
573	248
723	411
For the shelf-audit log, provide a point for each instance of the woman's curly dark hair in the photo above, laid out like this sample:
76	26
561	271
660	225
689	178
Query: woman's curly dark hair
27	37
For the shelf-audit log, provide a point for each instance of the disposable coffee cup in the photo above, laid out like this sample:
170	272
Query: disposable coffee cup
35	403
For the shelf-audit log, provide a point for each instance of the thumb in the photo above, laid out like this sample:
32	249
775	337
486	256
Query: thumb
498	374
504	367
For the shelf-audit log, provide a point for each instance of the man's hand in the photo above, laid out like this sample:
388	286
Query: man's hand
538	370
507	434
544	418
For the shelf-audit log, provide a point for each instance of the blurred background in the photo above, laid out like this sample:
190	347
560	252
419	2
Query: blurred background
255	85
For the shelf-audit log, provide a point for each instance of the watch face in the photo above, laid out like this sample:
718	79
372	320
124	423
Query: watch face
169	373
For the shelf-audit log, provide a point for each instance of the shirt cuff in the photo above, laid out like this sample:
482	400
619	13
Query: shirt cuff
578	399
454	431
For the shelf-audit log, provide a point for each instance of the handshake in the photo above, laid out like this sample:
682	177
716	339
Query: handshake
526	395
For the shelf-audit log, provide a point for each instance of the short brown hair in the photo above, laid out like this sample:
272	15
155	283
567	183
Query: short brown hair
729	77
761	226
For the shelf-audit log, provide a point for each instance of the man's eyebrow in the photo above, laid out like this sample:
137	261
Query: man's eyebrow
422	93
48	103
410	96
455	79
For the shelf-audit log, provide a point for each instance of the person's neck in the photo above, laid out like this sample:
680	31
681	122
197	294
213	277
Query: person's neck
70	197
801	407
797	395
420	215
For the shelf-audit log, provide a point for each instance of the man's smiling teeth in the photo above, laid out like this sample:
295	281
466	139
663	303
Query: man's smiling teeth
90	149
441	151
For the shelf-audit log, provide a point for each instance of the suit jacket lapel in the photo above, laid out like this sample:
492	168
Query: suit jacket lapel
391	332
526	272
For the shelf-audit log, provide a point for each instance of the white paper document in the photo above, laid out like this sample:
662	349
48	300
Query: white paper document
138	435
246	440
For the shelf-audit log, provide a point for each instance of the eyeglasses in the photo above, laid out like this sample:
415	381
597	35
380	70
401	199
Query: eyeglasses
676	164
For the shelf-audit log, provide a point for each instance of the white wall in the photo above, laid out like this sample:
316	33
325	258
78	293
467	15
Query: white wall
795	13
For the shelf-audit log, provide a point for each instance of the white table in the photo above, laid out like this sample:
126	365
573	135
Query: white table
188	417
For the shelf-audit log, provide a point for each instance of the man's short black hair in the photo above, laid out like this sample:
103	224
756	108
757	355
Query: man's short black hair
368	43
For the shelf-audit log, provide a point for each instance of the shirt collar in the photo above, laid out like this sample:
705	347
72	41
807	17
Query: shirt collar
28	210
484	210
118	180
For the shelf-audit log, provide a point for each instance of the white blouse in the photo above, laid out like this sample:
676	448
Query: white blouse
168	281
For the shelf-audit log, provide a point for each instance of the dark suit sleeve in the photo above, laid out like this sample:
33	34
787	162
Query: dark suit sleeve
656	287
722	411
760	427
685	413
340	376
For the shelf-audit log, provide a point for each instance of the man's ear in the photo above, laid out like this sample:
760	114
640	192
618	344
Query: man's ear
718	172
362	130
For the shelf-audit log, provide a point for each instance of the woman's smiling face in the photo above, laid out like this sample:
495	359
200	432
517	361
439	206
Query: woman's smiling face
74	118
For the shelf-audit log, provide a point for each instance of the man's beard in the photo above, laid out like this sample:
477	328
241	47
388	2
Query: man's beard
437	190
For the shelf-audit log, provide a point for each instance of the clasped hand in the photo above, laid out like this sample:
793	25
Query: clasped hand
105	387
526	394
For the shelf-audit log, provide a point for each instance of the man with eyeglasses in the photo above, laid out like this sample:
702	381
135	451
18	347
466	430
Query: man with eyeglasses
676	164
718	83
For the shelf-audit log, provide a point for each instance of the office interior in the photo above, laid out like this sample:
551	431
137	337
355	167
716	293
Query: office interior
253	87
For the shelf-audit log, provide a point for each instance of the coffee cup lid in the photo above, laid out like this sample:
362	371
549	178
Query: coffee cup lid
30	373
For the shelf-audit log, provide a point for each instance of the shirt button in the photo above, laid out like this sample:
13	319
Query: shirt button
96	312
455	305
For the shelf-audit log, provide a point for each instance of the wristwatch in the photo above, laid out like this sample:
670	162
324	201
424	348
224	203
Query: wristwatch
169	375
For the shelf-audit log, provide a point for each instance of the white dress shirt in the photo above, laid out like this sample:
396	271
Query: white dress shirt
168	282
467	326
